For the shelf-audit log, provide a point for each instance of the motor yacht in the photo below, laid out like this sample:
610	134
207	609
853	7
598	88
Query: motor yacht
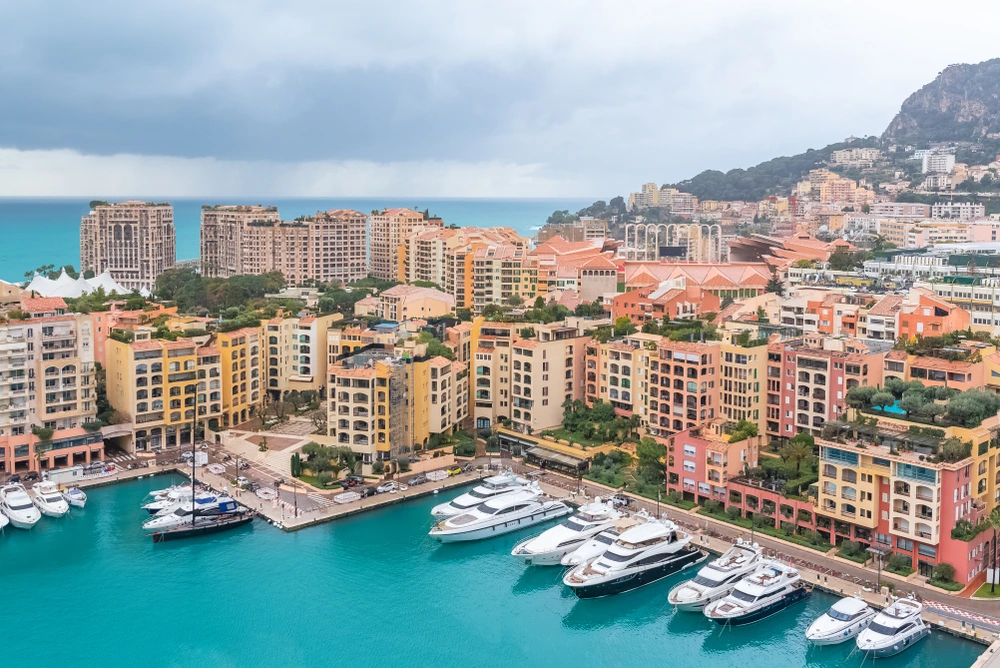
49	499
75	497
170	500
842	622
550	546
201	500
188	512
894	629
17	506
503	483
717	578
499	515
597	545
641	555
772	587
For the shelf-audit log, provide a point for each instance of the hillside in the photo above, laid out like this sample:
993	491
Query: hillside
961	104
774	177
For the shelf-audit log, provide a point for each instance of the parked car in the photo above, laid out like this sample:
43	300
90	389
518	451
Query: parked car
31	476
355	479
253	486
390	486
242	481
365	492
187	454
347	483
454	470
14	478
244	466
417	480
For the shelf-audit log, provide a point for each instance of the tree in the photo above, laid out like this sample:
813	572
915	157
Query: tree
774	284
464	314
514	300
319	420
744	429
883	399
262	446
44	443
911	402
624	326
994	519
294	398
943	572
797	451
539	302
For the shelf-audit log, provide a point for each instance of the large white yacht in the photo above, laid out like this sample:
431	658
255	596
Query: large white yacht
170	500
643	554
499	515
842	622
49	499
17	506
182	514
894	629
597	545
772	587
489	488
550	546
717	578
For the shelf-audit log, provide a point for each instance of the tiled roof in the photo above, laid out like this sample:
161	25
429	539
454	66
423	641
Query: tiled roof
888	305
42	304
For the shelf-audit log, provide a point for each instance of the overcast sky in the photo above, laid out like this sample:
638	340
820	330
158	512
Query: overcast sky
441	98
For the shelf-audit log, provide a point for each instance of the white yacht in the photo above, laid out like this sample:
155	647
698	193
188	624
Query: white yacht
17	506
170	500
772	587
489	488
182	514
597	545
75	497
499	515
3	521
842	622
643	554
49	499
550	546
717	578
894	629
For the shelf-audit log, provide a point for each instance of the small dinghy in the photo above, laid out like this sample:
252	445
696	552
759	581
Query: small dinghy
75	497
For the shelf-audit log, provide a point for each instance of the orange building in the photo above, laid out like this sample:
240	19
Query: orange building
665	302
701	461
923	314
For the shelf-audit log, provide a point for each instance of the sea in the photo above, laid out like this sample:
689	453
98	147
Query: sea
41	231
91	590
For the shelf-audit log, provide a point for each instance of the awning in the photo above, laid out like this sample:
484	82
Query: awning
556	457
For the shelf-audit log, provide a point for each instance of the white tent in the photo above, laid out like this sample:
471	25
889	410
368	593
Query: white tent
68	287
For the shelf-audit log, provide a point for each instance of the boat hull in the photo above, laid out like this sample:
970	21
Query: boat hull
49	512
19	523
896	647
765	611
187	531
698	605
841	635
500	529
638	579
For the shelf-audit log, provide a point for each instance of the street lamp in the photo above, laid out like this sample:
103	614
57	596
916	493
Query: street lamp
879	552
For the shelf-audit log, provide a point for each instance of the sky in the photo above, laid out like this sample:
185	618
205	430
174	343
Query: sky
443	98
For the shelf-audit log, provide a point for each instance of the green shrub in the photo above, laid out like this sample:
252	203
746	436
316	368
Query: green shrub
733	512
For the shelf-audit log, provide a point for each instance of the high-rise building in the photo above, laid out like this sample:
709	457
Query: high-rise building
297	354
135	241
390	229
328	246
222	232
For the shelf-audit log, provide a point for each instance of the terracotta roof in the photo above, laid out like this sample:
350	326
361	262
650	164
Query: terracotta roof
888	305
896	355
42	304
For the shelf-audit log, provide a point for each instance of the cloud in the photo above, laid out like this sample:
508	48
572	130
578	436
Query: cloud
568	93
71	173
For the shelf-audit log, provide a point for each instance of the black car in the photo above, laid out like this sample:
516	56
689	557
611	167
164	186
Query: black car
365	492
31	476
14	478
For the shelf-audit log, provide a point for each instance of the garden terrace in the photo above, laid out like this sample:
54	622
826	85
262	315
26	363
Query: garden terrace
910	443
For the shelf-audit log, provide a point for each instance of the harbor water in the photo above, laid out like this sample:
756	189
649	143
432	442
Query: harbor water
92	590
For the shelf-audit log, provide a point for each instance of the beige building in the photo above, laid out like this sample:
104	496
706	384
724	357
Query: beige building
135	241
297	354
222	232
47	374
406	302
389	230
329	246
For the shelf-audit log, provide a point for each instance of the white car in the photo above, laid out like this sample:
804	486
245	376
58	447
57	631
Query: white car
242	481
386	487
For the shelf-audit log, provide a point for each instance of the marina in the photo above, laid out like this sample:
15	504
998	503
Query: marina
383	580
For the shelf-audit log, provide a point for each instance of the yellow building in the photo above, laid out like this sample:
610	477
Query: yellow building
157	383
297	356
241	374
742	372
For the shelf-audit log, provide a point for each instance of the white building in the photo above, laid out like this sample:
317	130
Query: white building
937	163
958	211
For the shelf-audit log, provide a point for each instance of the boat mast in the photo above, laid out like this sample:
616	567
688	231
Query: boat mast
194	450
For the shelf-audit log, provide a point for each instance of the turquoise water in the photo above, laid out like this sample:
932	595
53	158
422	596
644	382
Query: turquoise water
894	409
39	231
92	590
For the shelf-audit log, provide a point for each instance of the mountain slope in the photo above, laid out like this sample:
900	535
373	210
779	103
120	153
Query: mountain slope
961	104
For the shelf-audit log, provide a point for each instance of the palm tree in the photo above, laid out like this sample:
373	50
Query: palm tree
994	519
797	452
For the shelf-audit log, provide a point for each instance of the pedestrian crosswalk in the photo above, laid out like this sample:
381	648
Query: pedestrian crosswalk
320	501
122	457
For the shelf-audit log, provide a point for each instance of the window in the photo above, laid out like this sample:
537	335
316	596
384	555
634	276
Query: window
904	544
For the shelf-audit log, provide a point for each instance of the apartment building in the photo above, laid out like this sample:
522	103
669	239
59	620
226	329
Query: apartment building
383	405
134	241
958	210
701	460
671	300
806	385
546	370
390	229
328	246
687	377
66	447
900	210
242	391
585	228
918	313
222	232
856	158
937	163
297	355
161	384
497	275
979	296
742	373
406	302
352	339
617	372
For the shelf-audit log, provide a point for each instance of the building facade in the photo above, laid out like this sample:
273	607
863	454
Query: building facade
222	232
390	229
135	241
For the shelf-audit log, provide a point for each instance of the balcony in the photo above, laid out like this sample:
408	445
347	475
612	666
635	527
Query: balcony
901	489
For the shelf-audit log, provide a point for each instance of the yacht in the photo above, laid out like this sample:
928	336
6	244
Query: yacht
489	488
643	554
201	500
183	513
17	506
842	622
894	629
170	500
75	497
3	522
499	515
717	578
597	545
549	547
49	499
772	587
